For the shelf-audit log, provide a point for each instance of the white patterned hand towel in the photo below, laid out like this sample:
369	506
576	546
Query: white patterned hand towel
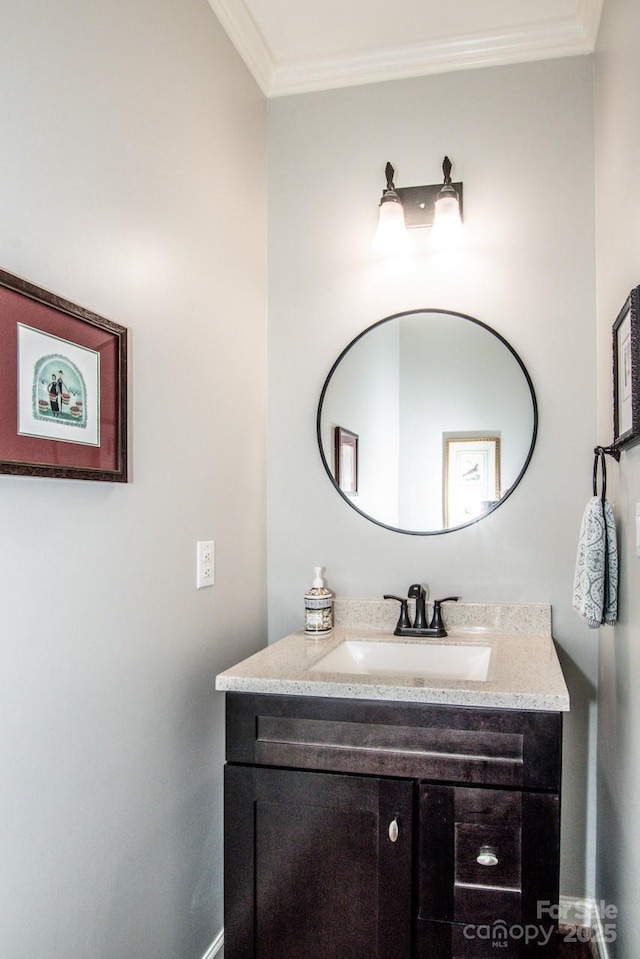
595	587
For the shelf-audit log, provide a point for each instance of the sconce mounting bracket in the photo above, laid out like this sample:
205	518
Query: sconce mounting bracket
419	203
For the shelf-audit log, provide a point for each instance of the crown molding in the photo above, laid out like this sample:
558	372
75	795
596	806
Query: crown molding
561	37
248	40
590	14
460	53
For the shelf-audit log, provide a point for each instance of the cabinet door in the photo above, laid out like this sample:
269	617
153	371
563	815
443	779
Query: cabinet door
312	870
488	873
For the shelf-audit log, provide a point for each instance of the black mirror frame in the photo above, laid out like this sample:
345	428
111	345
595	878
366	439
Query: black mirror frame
525	373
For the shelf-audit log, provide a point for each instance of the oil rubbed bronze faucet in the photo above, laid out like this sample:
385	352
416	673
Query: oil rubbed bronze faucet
419	626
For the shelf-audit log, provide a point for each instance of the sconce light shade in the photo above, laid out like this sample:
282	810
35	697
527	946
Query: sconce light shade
447	229
391	235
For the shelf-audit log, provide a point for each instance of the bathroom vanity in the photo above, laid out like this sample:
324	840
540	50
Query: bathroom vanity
378	816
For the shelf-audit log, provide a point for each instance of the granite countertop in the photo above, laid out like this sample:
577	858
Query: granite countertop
524	671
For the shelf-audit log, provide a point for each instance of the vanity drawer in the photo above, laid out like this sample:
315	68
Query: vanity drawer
470	854
412	740
482	868
487	830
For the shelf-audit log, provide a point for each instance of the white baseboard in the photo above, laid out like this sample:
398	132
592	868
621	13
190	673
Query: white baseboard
215	946
586	912
601	940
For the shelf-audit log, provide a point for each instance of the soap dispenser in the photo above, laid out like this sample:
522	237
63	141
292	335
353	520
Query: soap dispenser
318	606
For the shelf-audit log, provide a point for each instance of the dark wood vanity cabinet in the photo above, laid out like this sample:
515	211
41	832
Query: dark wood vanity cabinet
376	830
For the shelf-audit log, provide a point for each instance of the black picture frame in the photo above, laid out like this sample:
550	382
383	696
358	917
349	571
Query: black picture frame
72	423
626	373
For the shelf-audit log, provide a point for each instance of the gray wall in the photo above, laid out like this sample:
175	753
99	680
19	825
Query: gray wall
618	270
133	182
521	138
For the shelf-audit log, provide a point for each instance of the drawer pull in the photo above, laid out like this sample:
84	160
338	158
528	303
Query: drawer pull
393	829
487	856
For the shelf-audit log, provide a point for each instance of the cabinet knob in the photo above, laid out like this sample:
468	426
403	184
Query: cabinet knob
487	856
393	829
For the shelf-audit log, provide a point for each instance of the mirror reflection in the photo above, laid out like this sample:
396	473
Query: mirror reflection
427	421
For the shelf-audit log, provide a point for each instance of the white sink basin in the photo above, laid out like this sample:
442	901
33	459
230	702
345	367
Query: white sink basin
441	660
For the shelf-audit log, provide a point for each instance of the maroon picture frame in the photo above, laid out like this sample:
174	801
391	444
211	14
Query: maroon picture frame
23	305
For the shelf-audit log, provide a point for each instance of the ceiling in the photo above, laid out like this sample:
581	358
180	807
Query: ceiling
295	46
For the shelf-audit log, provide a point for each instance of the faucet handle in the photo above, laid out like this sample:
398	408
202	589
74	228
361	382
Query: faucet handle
403	621
436	620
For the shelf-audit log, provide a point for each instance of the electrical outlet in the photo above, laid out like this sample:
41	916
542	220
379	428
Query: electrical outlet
205	569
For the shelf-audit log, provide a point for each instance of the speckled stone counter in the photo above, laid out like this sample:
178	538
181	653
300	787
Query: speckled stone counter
524	671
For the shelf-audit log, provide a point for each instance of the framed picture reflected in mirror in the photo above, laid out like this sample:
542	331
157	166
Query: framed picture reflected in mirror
471	477
346	460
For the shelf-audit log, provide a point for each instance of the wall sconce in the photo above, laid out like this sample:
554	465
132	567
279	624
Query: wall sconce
404	208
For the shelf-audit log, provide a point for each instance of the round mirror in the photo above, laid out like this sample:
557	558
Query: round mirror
427	421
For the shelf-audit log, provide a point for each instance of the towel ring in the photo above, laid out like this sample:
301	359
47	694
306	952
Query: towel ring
599	457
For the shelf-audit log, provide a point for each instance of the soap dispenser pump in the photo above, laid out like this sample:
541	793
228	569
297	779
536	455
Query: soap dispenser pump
318	606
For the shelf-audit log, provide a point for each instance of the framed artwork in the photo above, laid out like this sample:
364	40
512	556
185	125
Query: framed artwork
471	477
346	460
626	373
63	387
